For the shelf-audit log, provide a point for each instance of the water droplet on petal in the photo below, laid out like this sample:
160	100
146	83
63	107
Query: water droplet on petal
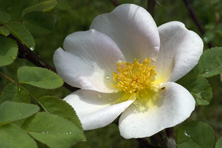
67	133
136	104
119	61
186	134
70	132
153	59
107	77
43	132
99	95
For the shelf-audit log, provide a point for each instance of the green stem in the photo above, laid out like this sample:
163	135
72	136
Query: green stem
195	19
33	97
7	77
28	92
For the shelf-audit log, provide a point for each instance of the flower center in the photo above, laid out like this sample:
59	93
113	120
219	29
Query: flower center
133	77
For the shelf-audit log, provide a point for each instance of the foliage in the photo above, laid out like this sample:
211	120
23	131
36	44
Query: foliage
52	130
60	108
195	134
15	93
30	117
34	76
219	143
8	52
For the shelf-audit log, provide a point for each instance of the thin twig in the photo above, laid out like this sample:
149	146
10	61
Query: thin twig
26	53
7	77
143	143
160	141
151	6
195	19
115	2
32	96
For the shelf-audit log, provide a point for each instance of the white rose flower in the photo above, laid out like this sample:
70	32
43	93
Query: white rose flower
127	66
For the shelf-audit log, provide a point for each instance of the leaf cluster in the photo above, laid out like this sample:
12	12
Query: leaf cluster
25	120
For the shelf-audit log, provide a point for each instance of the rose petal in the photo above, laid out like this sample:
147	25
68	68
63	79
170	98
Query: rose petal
174	105
179	52
133	30
88	60
95	109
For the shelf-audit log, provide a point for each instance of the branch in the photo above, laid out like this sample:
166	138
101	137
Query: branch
160	141
115	2
195	19
170	132
26	53
151	6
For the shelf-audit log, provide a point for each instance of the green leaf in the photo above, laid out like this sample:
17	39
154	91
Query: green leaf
15	7
14	137
198	86
39	77
4	31
4	17
210	63
61	108
195	134
41	7
13	111
219	143
189	144
21	33
8	52
52	130
15	93
39	24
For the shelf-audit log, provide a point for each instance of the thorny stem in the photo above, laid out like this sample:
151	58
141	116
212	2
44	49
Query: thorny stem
195	19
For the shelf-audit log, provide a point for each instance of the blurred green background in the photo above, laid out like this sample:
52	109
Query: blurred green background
50	29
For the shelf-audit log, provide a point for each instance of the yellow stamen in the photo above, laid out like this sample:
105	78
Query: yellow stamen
134	77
